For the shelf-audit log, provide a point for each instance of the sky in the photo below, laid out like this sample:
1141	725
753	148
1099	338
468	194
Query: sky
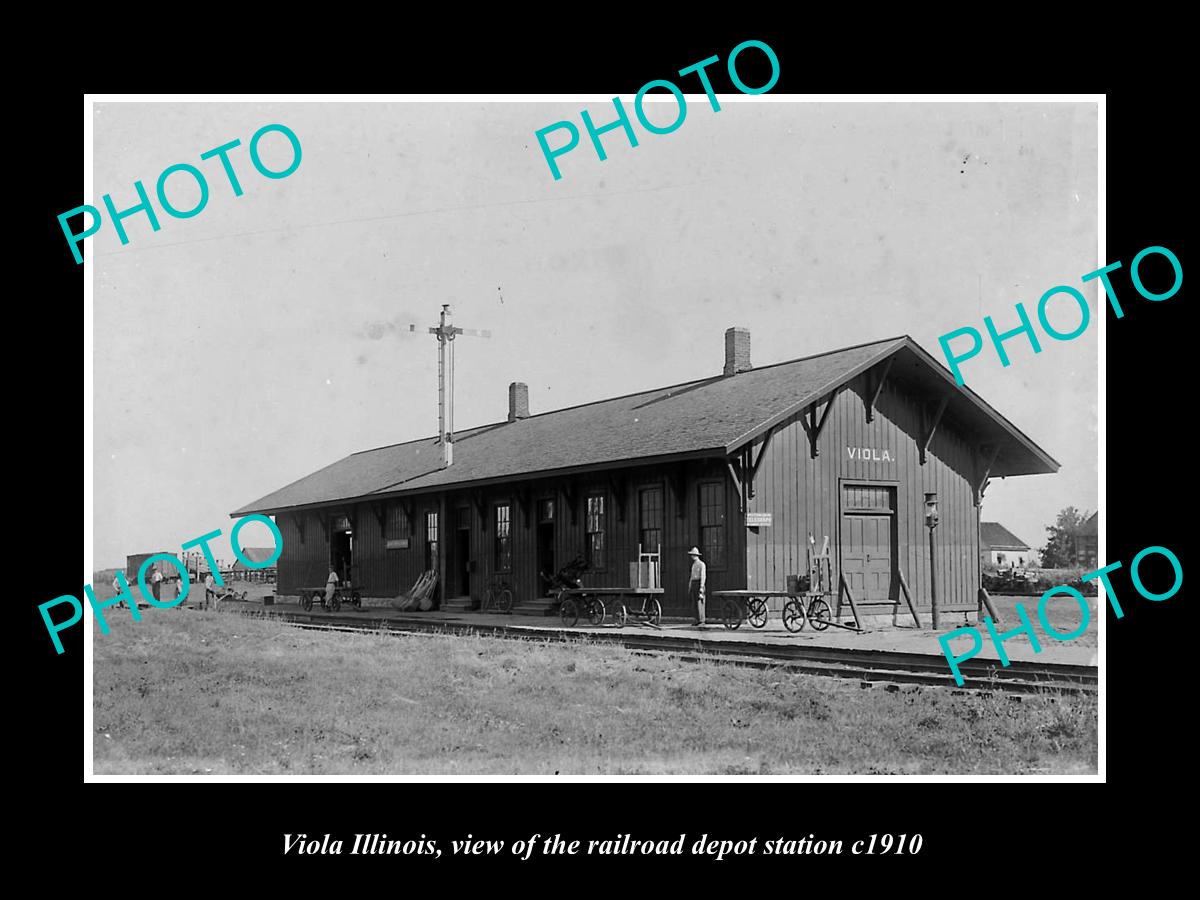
268	336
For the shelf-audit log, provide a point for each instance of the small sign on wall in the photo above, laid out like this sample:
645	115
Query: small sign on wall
758	520
397	544
870	454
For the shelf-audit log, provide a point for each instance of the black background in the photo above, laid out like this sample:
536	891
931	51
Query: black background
969	829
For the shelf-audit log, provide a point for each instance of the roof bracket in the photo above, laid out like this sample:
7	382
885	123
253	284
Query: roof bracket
477	502
735	472
406	506
380	511
524	500
571	495
301	519
324	520
875	387
812	426
757	461
617	484
933	427
678	480
987	471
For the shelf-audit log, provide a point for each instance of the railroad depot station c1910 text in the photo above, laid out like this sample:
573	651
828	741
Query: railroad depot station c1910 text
745	465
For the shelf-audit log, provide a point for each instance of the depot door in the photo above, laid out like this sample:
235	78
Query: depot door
868	541
462	551
545	543
341	553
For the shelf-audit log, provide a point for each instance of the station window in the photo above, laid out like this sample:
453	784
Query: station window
503	538
595	531
650	518
712	522
431	541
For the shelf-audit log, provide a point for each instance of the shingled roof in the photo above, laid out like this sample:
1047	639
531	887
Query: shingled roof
255	555
994	536
708	417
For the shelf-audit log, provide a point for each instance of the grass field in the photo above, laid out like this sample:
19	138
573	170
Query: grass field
187	692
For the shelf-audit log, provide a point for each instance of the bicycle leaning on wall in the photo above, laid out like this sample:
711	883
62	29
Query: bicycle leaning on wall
497	596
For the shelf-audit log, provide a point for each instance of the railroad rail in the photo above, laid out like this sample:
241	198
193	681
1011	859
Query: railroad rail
888	666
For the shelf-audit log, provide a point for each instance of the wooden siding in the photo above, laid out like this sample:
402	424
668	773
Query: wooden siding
304	561
383	573
802	494
621	531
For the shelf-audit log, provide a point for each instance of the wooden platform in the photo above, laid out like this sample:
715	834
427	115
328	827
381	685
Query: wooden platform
908	639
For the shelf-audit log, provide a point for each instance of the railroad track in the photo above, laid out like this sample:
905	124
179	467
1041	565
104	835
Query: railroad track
888	666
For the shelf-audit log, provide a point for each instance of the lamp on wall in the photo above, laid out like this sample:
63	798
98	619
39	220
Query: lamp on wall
931	519
931	510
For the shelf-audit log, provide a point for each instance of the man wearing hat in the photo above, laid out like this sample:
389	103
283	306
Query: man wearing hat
696	584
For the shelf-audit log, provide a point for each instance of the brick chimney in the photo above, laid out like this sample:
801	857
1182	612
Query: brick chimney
737	350
518	401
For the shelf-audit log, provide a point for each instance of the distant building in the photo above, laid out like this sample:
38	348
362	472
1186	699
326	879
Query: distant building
197	565
256	555
1087	545
1000	547
133	564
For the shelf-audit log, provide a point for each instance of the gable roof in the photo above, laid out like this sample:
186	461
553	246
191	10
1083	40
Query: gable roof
994	536
708	417
255	555
1090	526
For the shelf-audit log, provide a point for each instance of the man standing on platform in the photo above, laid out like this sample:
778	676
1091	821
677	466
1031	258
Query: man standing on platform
696	585
331	584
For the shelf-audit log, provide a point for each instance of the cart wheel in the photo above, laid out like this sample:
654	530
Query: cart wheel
356	599
819	614
596	613
654	612
793	616
504	601
733	614
569	613
336	602
757	612
311	600
621	615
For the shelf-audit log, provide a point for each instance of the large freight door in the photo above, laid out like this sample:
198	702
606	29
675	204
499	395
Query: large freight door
868	539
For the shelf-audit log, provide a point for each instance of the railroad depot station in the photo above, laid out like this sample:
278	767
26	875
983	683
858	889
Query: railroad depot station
754	466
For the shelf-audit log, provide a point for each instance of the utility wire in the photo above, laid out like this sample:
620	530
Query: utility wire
405	215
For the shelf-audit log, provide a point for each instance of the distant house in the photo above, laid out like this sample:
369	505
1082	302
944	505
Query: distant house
256	555
1000	547
1087	545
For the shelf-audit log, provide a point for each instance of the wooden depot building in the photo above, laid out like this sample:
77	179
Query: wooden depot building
744	465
